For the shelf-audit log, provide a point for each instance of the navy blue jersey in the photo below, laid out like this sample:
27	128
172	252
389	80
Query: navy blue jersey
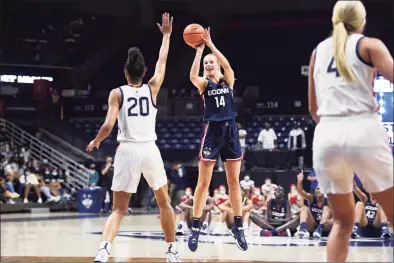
317	211
371	211
278	210
219	103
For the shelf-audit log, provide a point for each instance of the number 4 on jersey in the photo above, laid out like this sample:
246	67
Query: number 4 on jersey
220	101
331	67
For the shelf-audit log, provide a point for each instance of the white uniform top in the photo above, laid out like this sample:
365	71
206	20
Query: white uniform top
137	115
335	96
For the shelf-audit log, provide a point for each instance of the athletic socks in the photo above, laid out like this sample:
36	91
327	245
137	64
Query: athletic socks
303	226
384	225
171	247
196	223
238	221
356	226
320	228
105	245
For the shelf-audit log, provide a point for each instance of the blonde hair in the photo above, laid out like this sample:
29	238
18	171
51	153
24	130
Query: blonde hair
348	16
220	68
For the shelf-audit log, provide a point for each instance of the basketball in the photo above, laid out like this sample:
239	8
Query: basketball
192	35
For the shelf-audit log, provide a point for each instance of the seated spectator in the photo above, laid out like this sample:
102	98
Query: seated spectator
258	200
54	184
5	195
93	175
268	188
267	137
294	200
30	180
45	189
279	221
246	183
228	212
186	219
220	198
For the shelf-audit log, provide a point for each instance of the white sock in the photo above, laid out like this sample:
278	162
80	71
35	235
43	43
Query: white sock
205	223
106	245
171	247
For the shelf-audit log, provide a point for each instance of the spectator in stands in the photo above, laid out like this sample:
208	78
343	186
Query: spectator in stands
30	180
267	137
313	180
55	186
268	188
179	179
228	211
5	195
105	181
45	189
294	200
296	142
242	140
93	175
246	183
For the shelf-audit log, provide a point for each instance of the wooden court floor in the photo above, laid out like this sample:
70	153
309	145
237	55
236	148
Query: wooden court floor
71	237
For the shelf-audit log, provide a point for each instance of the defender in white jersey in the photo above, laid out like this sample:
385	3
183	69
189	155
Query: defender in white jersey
349	137
134	107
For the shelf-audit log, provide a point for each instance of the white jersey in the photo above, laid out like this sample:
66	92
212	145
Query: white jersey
137	115
335	96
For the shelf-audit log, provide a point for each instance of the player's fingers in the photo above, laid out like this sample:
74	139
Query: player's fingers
172	20
159	26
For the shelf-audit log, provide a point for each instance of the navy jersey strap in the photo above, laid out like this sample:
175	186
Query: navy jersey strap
121	97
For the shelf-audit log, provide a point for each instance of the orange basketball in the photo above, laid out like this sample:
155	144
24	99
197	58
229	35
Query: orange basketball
192	35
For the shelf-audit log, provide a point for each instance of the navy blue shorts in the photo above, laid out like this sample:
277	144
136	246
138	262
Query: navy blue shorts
220	138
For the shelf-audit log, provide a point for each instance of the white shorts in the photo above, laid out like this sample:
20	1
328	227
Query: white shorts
134	159
343	146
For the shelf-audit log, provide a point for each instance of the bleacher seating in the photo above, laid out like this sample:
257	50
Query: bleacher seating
186	133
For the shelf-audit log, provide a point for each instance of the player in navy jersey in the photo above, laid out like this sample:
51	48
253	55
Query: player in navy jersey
279	221
220	136
317	215
371	220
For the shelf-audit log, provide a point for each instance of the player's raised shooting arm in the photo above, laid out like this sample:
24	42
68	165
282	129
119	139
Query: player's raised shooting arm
302	193
380	57
160	69
198	81
112	114
360	194
157	80
209	206
311	90
188	204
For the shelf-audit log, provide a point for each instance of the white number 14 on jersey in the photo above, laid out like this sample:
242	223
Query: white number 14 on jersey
220	101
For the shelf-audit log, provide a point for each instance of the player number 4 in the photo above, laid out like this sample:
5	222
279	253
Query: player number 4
220	101
332	68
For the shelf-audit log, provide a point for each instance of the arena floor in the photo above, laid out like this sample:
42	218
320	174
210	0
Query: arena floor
72	237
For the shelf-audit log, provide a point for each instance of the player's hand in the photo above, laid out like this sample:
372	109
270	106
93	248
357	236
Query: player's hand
166	24
207	37
93	144
200	48
300	176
